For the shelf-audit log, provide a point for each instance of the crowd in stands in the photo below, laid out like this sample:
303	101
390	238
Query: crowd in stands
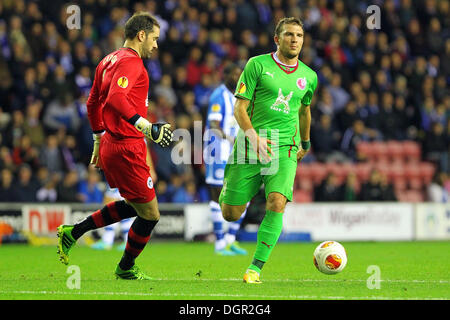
374	85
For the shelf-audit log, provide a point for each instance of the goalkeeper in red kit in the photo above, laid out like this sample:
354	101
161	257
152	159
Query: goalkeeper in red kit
117	109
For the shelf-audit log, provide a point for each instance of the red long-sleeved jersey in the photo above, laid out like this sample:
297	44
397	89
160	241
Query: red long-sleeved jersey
119	93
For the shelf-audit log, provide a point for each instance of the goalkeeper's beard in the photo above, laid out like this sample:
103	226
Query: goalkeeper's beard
145	53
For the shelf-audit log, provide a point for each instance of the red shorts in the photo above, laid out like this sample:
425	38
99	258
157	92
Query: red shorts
125	167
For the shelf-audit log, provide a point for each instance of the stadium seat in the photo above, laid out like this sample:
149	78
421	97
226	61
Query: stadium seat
414	196
395	151
384	168
318	172
363	148
412	151
362	170
396	171
302	196
410	196
337	169
399	184
412	171
415	183
427	170
305	184
303	170
400	195
379	151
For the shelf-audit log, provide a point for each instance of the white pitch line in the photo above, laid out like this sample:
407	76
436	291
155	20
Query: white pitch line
309	280
170	294
277	280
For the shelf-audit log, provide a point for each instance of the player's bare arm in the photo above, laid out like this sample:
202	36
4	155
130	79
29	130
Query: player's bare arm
304	118
259	144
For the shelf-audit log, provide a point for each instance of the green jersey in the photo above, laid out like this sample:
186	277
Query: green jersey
276	93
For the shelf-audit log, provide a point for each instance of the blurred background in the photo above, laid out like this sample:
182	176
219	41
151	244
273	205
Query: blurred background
380	128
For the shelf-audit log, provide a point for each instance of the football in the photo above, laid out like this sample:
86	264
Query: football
330	257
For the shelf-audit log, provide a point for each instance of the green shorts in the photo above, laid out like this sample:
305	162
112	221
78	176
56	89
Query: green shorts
243	181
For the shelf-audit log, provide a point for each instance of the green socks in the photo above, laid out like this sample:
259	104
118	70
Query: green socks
268	233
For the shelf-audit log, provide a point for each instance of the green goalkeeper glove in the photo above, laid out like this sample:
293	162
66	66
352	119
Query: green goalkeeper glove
157	132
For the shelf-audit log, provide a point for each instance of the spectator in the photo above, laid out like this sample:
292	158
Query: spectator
435	146
325	139
194	67
26	153
47	192
352	136
32	125
436	191
390	124
349	190
329	190
50	155
176	183
339	95
60	84
14	131
70	153
62	113
25	187
371	190
162	191
6	187
387	189
67	189
164	88
90	188
186	193
203	90
6	160
347	117
400	69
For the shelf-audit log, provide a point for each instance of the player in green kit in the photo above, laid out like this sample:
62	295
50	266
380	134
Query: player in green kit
272	109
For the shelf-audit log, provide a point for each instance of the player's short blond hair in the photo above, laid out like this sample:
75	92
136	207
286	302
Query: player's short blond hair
290	20
140	21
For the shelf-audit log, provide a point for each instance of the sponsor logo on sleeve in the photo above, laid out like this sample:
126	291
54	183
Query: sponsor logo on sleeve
242	88
215	107
122	82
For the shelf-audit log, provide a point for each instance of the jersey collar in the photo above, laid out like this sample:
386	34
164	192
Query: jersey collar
285	68
131	49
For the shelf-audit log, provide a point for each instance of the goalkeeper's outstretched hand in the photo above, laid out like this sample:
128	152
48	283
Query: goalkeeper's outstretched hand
157	132
161	134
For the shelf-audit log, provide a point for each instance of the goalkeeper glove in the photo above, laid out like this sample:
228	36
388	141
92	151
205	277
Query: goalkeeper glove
157	132
95	153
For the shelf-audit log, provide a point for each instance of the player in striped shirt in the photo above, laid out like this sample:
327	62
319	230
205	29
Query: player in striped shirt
221	130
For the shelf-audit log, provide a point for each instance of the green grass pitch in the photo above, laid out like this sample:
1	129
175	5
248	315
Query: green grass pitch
191	271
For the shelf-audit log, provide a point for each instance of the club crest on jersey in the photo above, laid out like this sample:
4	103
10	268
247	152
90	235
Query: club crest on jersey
215	107
301	83
282	102
122	82
242	88
150	183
